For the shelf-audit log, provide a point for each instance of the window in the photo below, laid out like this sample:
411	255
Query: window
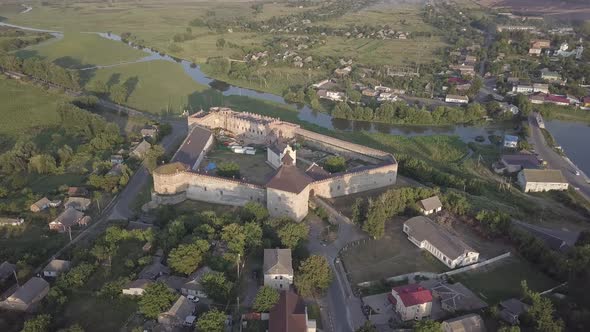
281	277
205	188
221	192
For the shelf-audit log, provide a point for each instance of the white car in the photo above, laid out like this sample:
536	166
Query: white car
193	298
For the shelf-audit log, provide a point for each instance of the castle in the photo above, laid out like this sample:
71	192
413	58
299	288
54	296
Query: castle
288	191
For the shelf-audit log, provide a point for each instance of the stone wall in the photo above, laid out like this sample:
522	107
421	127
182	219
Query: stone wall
282	203
351	183
207	188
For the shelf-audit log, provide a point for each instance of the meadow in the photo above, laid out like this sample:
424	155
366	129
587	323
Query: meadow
25	109
81	50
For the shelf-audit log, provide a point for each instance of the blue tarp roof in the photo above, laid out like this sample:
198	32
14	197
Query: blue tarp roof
211	166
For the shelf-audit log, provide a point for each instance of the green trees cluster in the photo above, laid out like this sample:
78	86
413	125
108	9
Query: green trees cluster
265	299
186	258
156	298
217	286
42	70
212	320
313	276
495	222
228	169
289	232
335	164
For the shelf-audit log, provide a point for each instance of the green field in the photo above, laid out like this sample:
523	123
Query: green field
154	86
80	50
503	280
26	108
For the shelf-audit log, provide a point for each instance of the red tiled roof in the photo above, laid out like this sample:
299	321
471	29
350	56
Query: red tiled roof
457	80
288	315
557	99
413	294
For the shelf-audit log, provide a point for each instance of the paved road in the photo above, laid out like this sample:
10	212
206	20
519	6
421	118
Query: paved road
554	160
341	309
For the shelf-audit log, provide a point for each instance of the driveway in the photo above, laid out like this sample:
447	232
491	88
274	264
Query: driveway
341	309
554	160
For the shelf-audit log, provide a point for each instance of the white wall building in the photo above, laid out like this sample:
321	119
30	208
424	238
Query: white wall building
538	180
449	249
457	99
278	268
411	302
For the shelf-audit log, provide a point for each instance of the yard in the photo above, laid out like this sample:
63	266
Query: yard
97	314
389	256
253	169
501	281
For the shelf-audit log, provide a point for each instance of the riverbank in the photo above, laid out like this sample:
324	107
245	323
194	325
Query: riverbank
573	138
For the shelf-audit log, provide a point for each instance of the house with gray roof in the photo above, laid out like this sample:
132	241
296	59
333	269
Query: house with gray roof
140	150
137	287
465	323
26	296
456	297
40	205
56	267
153	271
513	163
448	248
78	203
430	205
6	270
177	314
193	286
539	180
70	217
278	268
511	310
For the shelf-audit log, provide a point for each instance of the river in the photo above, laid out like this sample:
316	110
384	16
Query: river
466	133
573	137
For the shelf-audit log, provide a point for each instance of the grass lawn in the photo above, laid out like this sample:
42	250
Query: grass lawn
97	314
25	108
389	256
502	281
253	169
154	86
46	183
80	50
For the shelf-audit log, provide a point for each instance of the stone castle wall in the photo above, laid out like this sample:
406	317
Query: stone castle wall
355	182
282	203
208	188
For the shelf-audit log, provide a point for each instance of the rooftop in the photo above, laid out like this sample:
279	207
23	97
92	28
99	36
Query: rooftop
544	175
30	290
278	261
288	315
413	294
57	265
424	229
466	323
289	178
521	159
193	145
431	203
69	217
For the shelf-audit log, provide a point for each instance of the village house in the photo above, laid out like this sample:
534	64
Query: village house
154	270
538	180
70	217
538	98
430	205
14	75
369	92
411	302
27	296
278	268
449	249
456	99
386	96
540	87
277	150
512	163
141	150
550	76
511	310
540	43
535	51
465	323
343	71
193	286
40	205
117	159
290	314
586	102
149	132
11	221
78	192
78	203
6	270
522	88
557	100
56	267
501	28
137	287
510	141
331	95
174	283
178	313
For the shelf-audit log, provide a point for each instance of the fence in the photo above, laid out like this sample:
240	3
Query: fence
475	266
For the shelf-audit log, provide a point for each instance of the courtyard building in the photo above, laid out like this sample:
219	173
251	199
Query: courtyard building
290	314
449	249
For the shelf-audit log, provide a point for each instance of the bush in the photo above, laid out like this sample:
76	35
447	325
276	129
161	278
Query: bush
335	164
228	169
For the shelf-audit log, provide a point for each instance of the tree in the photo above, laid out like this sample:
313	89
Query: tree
212	321
39	323
216	286
253	233
155	299
265	299
314	276
541	311
335	164
153	156
220	43
100	87
186	258
427	325
73	328
228	169
119	93
254	211
234	236
292	233
42	164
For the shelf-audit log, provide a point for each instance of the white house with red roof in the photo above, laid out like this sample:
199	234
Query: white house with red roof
411	301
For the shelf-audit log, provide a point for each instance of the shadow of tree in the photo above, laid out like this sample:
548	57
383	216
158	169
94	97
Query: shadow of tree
113	80
27	54
130	84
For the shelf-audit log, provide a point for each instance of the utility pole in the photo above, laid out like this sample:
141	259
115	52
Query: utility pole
15	277
70	233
